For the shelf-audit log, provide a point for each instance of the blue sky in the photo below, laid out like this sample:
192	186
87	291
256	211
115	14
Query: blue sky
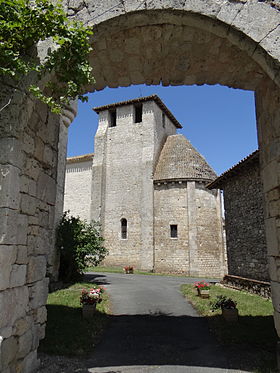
219	121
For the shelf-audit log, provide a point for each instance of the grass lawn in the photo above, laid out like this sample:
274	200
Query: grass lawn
254	329
67	333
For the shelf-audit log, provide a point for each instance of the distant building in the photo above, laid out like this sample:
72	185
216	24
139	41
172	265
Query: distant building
244	219
147	187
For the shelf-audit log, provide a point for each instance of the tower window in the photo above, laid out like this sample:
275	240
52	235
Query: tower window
113	118
173	230
163	119
138	111
124	229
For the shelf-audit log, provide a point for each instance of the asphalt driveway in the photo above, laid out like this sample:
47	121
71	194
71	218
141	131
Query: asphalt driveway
155	330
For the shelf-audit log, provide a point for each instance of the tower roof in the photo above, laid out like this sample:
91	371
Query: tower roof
154	98
180	160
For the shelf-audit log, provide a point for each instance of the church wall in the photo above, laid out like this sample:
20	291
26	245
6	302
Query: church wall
210	250
170	206
198	250
164	127
77	189
125	171
244	217
128	192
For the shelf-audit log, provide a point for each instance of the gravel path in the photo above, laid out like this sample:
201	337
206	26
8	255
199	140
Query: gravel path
154	330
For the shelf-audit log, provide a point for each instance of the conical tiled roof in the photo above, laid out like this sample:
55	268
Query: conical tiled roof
179	160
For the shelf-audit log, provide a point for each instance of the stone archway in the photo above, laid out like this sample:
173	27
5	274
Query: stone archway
170	42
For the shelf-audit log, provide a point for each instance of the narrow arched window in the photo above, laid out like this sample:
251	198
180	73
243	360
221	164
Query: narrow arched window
124	229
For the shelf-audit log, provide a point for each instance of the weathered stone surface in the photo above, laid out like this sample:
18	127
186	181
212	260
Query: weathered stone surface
7	218
41	315
22	255
28	204
9	349
8	254
25	344
9	181
36	269
11	152
46	188
244	219
5	277
30	363
21	326
78	188
6	332
18	275
15	299
38	293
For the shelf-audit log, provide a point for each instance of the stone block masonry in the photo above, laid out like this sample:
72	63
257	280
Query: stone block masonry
27	201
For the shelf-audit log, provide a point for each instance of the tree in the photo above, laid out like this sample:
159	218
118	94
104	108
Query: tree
80	244
24	24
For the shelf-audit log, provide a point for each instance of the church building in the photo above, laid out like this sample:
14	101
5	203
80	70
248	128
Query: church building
146	185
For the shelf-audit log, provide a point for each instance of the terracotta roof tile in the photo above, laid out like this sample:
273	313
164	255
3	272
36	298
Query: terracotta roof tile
180	160
80	158
139	100
240	166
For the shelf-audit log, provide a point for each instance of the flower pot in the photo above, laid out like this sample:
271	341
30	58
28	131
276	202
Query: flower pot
88	310
129	271
204	293
230	315
198	292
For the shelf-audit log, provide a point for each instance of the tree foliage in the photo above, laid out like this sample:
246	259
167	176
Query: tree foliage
25	23
80	244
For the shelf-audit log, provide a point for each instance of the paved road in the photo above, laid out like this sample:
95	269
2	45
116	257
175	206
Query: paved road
154	330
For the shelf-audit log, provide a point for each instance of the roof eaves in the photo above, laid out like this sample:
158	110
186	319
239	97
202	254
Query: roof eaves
234	170
80	158
139	100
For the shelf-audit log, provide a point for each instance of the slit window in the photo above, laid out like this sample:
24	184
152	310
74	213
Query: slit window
138	111
124	229
163	119
173	230
113	118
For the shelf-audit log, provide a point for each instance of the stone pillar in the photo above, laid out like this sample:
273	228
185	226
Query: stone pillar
98	170
28	160
268	119
68	115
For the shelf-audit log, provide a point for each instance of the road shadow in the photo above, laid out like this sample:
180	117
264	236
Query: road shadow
98	279
158	339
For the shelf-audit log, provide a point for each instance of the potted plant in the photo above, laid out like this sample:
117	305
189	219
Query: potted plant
128	269
89	300
228	307
202	288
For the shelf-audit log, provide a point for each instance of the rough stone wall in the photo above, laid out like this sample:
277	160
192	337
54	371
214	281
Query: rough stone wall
198	250
245	231
170	207
210	253
123	175
77	197
28	161
268	114
176	33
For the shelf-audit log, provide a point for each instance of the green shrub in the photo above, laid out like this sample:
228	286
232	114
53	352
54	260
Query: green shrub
79	244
